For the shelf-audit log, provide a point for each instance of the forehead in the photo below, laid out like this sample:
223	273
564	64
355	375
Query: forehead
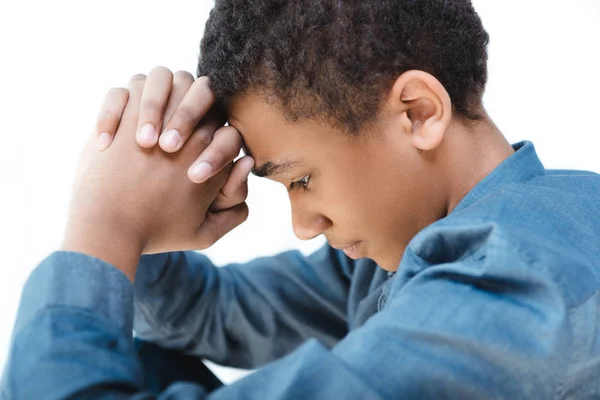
306	144
269	136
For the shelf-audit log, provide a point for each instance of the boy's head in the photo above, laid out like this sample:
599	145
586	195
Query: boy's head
350	104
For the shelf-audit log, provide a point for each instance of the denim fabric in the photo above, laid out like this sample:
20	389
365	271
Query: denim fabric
499	300
164	367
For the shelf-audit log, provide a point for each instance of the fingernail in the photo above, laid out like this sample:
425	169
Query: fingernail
104	140
200	171
147	133
170	139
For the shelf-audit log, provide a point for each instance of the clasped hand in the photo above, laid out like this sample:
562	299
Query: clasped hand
132	197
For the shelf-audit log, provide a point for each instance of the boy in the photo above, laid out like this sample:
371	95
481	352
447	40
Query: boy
457	266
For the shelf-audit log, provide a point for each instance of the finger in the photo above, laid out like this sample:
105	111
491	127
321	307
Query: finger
136	87
225	146
182	81
155	96
217	225
129	118
235	190
110	116
202	136
195	104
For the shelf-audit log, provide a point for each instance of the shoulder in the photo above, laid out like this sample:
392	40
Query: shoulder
561	206
547	225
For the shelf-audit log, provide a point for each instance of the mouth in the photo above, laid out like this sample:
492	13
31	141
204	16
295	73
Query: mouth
352	251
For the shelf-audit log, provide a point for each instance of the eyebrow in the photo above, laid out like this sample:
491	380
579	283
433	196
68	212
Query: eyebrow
271	168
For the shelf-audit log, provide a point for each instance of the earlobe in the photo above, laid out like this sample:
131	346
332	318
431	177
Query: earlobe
427	106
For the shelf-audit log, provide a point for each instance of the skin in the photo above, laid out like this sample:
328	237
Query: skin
129	200
405	171
368	194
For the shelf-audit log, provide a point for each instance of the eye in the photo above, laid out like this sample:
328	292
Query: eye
301	184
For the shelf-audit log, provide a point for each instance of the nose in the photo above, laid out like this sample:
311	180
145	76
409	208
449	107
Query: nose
308	225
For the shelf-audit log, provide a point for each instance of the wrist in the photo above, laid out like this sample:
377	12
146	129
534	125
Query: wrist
106	240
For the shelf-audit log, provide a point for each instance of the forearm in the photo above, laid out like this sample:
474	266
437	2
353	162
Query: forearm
72	339
75	311
77	344
239	315
183	301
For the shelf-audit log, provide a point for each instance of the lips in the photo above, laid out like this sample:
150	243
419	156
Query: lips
352	247
352	250
344	247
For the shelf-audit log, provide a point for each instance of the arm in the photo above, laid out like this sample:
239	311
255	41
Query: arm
242	315
485	325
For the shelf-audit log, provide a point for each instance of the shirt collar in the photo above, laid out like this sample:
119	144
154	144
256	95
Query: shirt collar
522	165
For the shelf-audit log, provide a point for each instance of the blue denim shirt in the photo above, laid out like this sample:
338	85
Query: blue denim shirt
500	299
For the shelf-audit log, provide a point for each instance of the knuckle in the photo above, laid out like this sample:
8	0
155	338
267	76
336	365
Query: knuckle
232	136
218	205
185	113
239	195
231	130
150	107
204	82
224	131
183	76
138	77
225	197
222	179
160	70
204	85
203	138
108	116
118	92
217	155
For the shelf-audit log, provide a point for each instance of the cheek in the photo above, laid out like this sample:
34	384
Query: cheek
380	198
353	201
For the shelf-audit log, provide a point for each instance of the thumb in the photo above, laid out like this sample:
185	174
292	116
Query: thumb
218	224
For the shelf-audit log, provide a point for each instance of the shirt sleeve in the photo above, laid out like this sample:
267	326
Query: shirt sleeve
483	326
242	315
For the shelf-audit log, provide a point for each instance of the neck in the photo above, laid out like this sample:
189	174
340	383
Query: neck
471	153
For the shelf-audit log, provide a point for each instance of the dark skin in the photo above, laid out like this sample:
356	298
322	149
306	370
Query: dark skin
402	173
409	168
128	200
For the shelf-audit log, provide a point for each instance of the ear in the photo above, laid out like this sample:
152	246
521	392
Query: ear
425	107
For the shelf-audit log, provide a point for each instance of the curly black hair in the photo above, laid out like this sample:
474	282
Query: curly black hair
336	59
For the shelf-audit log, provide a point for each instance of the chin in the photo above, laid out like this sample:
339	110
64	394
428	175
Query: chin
389	267
390	263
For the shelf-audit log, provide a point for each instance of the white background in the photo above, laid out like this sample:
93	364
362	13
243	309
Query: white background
58	59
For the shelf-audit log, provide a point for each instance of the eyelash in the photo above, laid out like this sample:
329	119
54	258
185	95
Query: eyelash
302	184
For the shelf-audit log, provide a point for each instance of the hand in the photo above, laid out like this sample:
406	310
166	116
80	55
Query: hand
183	103
128	200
